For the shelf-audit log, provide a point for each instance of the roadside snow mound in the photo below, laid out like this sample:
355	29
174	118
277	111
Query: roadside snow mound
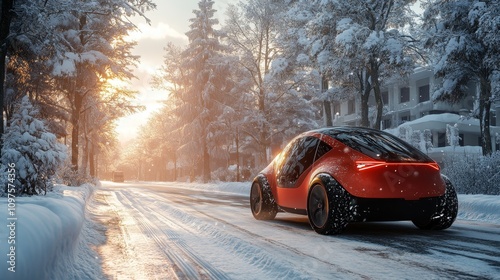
479	207
46	238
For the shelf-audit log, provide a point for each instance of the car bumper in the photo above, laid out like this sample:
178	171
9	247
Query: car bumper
365	209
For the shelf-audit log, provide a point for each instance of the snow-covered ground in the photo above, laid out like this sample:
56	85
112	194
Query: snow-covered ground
49	237
57	236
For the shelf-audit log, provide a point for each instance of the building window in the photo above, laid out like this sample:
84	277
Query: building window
423	93
386	123
385	97
404	94
461	140
441	139
423	114
493	119
351	107
336	109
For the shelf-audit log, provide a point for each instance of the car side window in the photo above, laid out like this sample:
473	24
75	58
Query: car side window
297	159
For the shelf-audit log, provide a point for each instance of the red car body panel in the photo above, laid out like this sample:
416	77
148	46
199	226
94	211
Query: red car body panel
360	175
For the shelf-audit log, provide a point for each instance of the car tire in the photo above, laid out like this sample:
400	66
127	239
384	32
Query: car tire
446	212
328	206
262	202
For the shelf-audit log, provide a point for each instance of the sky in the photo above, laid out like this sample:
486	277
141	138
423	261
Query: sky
169	23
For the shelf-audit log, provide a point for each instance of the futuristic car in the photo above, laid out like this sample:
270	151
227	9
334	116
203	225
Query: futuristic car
340	175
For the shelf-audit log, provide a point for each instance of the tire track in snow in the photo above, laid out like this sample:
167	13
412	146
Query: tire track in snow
188	264
255	252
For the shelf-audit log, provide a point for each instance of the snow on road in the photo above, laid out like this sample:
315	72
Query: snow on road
173	230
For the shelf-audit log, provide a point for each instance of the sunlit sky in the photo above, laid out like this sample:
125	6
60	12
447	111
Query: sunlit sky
169	23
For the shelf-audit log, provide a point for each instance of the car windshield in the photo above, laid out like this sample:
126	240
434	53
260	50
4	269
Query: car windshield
378	145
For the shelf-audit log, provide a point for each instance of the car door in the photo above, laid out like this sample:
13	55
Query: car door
298	157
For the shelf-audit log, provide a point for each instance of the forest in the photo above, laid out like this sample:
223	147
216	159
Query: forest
238	91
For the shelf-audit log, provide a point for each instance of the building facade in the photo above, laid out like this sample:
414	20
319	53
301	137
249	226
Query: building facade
410	103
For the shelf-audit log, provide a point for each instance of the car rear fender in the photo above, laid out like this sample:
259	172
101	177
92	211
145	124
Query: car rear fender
325	179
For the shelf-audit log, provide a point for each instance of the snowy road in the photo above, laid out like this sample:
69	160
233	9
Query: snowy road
169	231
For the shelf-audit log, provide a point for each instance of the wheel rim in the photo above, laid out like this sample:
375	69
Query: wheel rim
318	206
256	198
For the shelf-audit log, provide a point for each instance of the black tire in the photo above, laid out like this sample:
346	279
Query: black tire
446	211
328	206
262	201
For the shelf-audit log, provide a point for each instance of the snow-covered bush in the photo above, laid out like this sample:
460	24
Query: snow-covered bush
32	151
452	135
421	140
66	175
224	174
474	174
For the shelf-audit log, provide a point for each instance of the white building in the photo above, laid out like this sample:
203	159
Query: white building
411	103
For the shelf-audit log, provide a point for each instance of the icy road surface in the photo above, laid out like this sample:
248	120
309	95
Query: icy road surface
168	231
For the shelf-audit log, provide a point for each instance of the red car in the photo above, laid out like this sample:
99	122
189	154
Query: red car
350	174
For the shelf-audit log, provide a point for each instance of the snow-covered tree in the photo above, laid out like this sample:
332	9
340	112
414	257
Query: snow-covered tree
62	53
465	38
92	49
357	44
5	21
34	151
275	96
204	86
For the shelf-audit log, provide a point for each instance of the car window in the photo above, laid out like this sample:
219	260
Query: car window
379	145
321	150
298	158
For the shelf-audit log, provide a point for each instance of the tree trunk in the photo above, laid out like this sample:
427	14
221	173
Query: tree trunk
5	20
92	162
327	108
484	115
75	131
327	113
206	164
237	155
206	155
364	90
378	96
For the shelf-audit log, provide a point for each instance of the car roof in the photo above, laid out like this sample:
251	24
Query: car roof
333	129
375	143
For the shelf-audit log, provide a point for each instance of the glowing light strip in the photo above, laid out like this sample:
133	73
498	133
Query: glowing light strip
364	165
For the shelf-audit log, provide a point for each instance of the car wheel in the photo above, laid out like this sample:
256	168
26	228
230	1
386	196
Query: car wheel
262	202
446	212
328	206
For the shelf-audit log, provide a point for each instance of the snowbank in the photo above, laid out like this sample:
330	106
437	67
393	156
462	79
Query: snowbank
477	207
43	237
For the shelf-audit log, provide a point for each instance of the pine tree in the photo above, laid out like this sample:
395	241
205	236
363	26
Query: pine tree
34	150
204	85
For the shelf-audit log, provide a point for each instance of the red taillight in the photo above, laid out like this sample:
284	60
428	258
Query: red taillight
364	165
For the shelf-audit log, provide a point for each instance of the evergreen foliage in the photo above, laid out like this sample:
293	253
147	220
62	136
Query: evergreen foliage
33	149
